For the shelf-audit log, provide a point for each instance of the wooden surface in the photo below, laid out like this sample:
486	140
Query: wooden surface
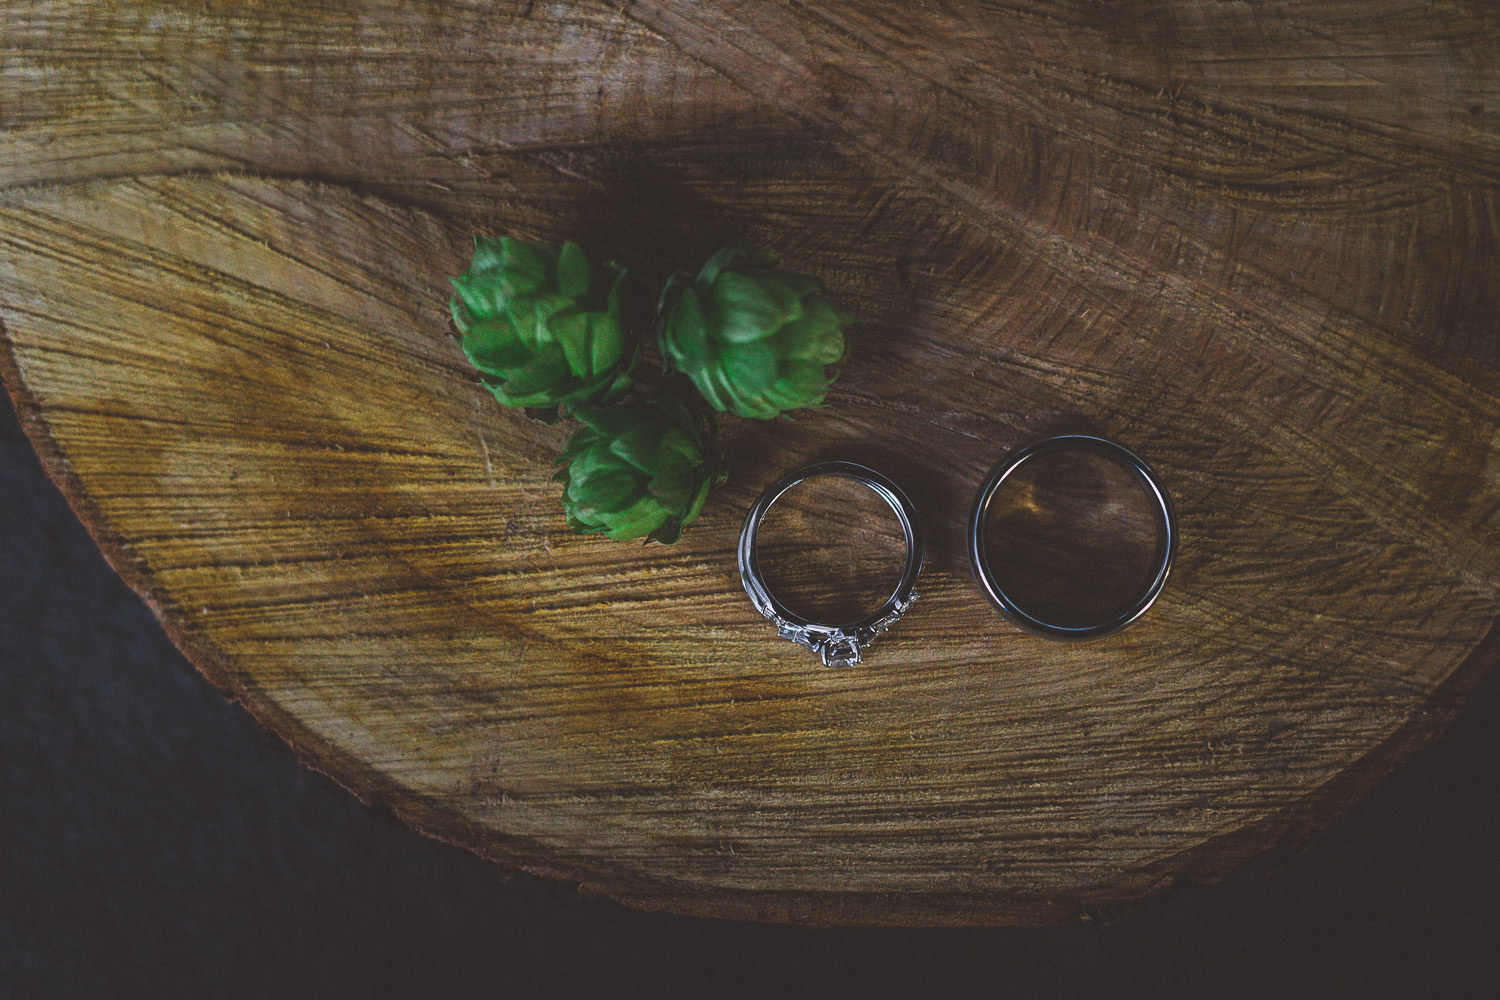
1256	243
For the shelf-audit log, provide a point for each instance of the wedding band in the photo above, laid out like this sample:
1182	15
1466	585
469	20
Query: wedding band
840	645
1162	512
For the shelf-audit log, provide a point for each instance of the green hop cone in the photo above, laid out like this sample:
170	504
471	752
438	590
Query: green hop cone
638	469
754	339
543	326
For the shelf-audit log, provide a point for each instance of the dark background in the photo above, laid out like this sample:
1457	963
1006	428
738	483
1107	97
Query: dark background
155	841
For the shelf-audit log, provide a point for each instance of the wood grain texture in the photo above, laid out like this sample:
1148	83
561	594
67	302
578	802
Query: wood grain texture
1256	243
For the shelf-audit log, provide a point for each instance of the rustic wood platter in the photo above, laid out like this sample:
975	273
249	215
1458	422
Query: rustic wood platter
1256	243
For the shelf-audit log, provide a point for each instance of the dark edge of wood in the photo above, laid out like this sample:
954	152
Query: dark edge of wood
1267	842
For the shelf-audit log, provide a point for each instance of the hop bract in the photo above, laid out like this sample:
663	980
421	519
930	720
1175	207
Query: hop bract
754	339
542	325
638	470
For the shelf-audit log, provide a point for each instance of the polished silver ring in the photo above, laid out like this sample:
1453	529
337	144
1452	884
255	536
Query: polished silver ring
840	645
1166	536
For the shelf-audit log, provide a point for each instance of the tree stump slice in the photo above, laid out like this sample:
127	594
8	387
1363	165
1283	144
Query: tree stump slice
1256	244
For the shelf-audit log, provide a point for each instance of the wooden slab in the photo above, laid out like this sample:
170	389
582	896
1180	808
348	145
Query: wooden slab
1256	244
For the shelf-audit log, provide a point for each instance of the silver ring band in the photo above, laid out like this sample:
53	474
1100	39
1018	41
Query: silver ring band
1166	536
836	645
